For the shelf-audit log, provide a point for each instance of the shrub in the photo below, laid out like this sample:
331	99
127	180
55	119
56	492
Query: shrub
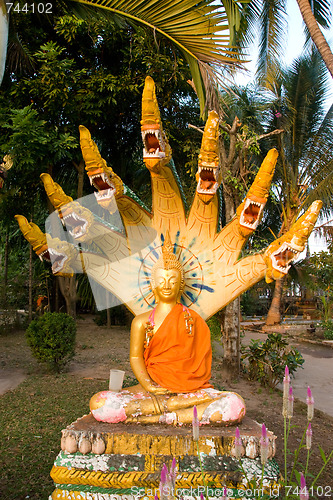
328	328
267	360
51	338
214	326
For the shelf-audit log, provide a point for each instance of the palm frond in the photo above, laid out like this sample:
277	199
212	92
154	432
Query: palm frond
272	28
198	29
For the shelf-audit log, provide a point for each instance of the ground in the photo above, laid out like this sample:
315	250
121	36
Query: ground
99	349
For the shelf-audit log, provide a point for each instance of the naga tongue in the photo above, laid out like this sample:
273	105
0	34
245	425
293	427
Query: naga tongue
207	184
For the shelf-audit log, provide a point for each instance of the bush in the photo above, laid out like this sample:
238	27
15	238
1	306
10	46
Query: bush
51	338
267	360
328	328
214	325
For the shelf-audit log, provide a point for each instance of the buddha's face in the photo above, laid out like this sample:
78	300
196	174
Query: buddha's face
167	285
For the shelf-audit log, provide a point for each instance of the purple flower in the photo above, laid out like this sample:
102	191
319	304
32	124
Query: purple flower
277	114
310	403
238	444
195	424
303	494
164	475
224	494
165	483
290	410
264	445
202	497
308	437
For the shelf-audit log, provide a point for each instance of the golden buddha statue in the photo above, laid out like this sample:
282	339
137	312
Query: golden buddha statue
170	355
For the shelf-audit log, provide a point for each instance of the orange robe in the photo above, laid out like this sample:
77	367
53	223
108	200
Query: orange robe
179	361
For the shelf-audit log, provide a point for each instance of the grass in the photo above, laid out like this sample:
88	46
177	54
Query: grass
31	420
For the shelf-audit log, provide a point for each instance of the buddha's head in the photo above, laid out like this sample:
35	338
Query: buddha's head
167	276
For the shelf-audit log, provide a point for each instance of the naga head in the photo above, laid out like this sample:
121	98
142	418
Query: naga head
250	211
77	220
73	215
283	251
59	253
101	177
156	150
209	172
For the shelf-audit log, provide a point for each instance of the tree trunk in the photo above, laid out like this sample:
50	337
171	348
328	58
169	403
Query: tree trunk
230	319
108	311
274	314
80	178
316	34
5	271
231	340
56	299
30	283
67	285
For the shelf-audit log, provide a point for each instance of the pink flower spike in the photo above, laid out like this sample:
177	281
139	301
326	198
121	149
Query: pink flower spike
224	493
195	424
173	473
238	444
290	410
310	404
308	437
263	431
264	445
286	382
164	474
164	483
303	494
202	497
156	497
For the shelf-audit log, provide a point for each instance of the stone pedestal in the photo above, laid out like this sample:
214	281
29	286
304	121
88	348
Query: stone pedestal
102	461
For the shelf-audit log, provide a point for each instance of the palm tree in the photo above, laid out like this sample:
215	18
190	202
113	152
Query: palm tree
198	29
266	20
305	167
315	32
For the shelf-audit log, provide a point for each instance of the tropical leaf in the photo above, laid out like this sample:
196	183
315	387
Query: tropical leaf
272	32
200	30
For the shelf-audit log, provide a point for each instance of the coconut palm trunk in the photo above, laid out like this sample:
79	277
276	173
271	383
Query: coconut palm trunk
316	34
274	313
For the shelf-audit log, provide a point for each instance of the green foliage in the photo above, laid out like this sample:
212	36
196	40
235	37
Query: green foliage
117	316
88	72
317	275
266	361
328	328
214	324
51	338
